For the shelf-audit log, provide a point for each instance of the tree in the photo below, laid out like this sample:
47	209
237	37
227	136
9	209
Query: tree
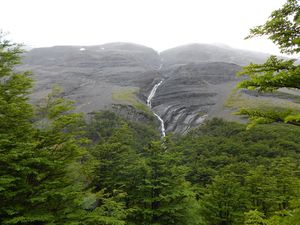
102	125
57	186
254	217
223	201
16	133
164	196
261	189
41	162
120	166
283	28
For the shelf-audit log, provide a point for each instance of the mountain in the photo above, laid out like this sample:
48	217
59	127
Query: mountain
195	53
197	79
90	74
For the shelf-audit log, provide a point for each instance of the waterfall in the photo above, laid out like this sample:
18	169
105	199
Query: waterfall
149	99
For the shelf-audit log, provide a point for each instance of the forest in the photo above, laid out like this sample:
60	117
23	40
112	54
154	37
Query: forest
62	167
58	169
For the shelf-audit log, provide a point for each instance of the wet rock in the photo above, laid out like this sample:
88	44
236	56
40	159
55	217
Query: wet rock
191	92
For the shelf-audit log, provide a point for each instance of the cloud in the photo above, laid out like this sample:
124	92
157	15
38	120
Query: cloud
159	24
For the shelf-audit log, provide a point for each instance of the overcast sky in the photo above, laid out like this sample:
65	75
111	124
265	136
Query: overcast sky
159	24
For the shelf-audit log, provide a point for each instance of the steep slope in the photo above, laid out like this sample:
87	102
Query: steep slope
198	78
90	75
190	93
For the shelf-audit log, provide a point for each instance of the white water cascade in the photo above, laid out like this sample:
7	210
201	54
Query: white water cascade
149	99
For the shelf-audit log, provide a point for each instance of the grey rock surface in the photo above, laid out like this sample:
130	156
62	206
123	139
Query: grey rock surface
197	78
91	74
192	92
195	53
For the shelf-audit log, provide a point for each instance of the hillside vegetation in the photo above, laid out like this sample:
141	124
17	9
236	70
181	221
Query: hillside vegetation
58	166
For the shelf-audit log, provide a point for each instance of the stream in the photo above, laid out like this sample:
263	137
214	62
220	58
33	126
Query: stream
149	99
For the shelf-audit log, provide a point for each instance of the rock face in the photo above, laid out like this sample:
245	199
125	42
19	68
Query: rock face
192	92
196	78
89	75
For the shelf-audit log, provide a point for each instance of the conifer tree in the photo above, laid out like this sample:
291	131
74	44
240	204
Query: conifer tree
40	163
16	136
118	161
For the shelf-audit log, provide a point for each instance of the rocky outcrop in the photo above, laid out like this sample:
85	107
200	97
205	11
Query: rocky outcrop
190	93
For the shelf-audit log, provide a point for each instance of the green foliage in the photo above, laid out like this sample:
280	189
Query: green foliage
151	181
264	116
16	134
223	201
43	179
56	169
118	161
165	197
129	96
15	112
286	217
283	28
254	217
102	125
234	170
294	119
273	74
102	209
